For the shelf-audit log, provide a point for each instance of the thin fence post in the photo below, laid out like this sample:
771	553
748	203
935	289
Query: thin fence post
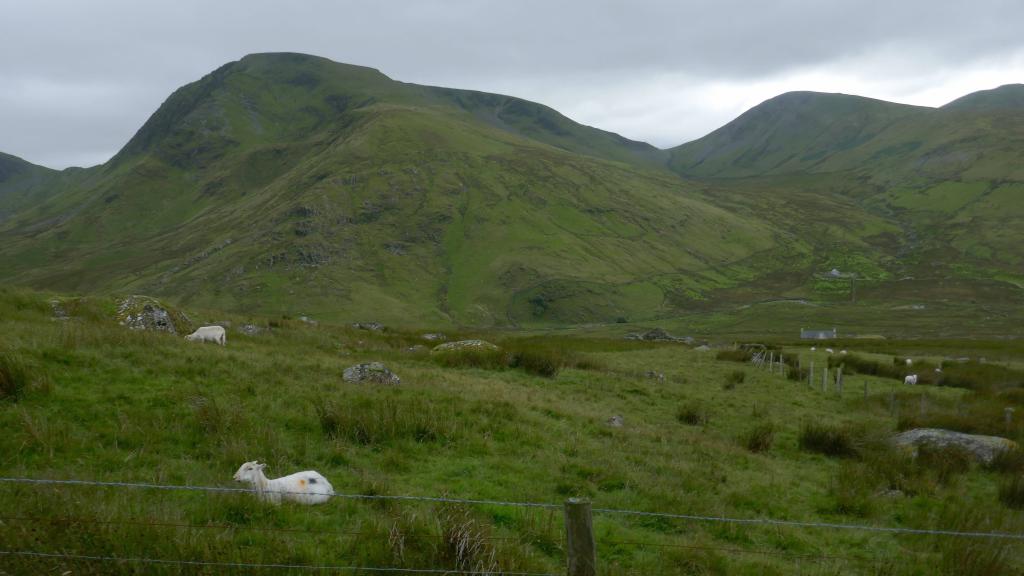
824	379
839	380
810	376
580	550
771	362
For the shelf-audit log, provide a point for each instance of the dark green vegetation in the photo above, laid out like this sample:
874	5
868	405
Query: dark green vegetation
149	407
290	184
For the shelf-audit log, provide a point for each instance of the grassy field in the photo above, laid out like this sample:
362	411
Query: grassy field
86	398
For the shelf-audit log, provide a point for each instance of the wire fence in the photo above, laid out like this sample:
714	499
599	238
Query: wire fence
213	564
550	506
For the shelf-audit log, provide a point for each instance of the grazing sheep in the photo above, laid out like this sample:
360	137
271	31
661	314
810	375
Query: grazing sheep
830	351
909	362
208	334
813	348
308	487
911	379
843	352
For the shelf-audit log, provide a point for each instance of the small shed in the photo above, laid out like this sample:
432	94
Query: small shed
818	334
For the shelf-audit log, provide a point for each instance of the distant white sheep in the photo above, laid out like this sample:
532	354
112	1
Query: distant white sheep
843	352
910	362
938	370
309	487
208	334
911	380
813	348
830	351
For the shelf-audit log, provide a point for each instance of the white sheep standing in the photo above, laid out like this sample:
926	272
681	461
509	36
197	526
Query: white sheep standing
830	351
208	334
309	487
911	379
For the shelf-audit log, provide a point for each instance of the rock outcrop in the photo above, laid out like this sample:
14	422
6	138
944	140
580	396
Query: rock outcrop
371	372
146	313
460	345
983	448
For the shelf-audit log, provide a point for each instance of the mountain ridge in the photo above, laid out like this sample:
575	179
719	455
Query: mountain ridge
288	183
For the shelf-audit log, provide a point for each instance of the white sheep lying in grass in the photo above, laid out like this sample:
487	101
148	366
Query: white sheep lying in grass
309	487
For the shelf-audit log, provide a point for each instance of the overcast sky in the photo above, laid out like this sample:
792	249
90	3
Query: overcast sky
77	78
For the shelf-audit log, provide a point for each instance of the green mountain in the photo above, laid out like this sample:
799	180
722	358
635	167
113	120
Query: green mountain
290	183
286	183
796	131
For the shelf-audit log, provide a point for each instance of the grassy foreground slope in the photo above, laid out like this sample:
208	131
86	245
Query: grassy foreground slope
105	403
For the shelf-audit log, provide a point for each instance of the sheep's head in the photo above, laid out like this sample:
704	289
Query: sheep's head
190	337
249	472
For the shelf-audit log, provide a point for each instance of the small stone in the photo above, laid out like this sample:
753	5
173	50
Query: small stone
616	421
250	329
655	375
435	337
371	372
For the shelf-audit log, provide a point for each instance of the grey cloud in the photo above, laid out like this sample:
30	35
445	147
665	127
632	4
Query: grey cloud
562	53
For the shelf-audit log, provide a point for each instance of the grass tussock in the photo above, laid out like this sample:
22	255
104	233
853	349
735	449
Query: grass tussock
1008	462
759	438
538	359
693	414
1011	492
736	355
733	378
826	439
372	421
18	377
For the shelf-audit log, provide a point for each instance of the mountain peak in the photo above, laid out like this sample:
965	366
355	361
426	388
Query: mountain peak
1005	97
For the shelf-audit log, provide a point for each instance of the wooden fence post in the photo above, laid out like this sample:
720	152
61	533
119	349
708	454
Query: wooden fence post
824	379
839	380
580	550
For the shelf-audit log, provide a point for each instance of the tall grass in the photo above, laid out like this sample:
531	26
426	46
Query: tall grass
759	438
826	439
17	377
373	421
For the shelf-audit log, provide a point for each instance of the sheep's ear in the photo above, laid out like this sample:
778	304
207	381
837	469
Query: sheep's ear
261	466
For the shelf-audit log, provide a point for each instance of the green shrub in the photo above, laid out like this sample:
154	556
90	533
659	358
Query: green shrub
827	440
759	438
693	414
